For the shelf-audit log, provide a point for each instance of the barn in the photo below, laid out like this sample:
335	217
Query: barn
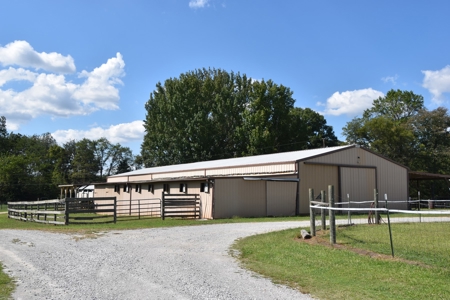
266	185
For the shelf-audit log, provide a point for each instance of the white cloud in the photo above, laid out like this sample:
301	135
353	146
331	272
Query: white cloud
198	3
392	79
121	133
21	54
350	103
57	96
99	87
437	83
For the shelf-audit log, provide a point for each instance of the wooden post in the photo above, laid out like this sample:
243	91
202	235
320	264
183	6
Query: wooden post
312	217
375	201
349	213
139	209
66	212
162	207
332	215
322	211
115	210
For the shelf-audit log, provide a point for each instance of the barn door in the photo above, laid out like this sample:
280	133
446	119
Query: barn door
359	183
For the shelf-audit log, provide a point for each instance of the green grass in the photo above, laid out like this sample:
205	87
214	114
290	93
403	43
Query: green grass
6	285
420	269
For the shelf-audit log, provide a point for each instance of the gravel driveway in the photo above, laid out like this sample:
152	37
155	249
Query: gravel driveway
164	263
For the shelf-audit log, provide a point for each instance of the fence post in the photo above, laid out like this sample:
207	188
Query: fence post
375	201
332	215
115	210
349	212
66	212
322	211
162	207
311	213
139	209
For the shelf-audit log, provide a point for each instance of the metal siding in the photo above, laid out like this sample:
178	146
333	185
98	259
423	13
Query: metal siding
392	179
317	177
281	198
237	197
358	183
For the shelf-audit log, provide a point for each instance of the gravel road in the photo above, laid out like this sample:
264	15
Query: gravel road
164	263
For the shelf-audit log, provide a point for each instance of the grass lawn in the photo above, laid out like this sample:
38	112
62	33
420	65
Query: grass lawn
360	265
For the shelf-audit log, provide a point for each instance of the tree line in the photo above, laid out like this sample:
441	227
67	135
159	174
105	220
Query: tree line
211	114
32	167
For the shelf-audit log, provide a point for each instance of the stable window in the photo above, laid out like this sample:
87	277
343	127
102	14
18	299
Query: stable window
126	188
151	188
117	188
204	187
183	188
138	188
166	188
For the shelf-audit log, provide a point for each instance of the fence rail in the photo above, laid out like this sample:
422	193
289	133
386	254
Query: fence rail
44	211
180	206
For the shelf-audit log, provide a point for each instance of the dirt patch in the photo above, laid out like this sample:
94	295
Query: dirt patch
318	240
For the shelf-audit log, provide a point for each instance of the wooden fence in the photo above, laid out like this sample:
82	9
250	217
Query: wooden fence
65	211
44	211
104	209
180	206
90	210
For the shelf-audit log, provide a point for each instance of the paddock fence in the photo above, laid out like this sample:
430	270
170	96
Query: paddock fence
181	206
372	212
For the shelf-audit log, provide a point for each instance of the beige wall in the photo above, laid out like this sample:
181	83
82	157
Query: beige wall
391	179
316	177
147	198
238	197
281	197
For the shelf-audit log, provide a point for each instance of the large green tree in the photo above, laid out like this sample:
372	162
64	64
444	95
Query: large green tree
212	114
401	128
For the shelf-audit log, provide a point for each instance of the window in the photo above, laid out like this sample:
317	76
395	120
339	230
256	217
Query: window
151	188
166	188
125	188
117	188
183	188
204	187
138	188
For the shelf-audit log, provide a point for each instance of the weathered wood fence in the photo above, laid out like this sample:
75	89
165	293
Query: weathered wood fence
90	210
180	206
44	211
65	211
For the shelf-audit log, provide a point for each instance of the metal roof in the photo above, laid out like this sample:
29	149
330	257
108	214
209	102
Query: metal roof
284	157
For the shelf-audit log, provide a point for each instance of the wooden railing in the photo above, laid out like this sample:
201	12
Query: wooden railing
43	211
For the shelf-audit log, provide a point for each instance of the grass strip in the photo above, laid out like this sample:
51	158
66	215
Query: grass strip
359	267
6	285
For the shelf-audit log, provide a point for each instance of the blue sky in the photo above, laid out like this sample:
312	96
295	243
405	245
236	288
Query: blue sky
81	69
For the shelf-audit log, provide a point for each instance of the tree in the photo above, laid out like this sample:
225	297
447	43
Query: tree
309	130
396	105
195	117
399	127
212	114
85	164
267	119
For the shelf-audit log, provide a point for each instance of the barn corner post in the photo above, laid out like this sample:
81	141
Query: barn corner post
332	214
312	217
